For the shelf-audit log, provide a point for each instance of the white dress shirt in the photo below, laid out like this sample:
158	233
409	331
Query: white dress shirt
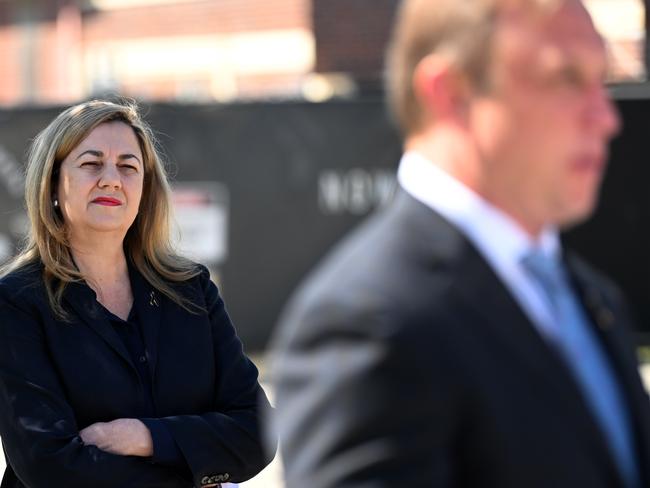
496	236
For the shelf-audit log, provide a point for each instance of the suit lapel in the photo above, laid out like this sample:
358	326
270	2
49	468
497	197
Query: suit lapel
83	300
485	301
483	290
148	303
610	326
480	291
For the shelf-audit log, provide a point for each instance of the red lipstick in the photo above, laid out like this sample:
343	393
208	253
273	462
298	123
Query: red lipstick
107	201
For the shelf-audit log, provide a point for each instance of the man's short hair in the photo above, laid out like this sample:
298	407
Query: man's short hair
459	30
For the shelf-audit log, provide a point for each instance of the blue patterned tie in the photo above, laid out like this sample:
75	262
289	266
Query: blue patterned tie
586	357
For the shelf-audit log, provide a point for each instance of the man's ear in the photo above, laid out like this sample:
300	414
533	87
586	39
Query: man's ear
441	89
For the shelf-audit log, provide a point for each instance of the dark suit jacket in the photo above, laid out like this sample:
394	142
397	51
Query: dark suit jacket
404	362
58	377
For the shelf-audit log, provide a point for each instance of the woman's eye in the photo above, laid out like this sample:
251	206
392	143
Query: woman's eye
90	164
128	167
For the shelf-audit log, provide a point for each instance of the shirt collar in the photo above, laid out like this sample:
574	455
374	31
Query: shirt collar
495	233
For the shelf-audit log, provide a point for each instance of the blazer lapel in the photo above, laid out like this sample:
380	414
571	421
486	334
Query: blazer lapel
148	302
482	294
481	289
487	295
611	329
484	299
84	302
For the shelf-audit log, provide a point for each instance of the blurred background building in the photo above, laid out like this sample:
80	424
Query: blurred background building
277	168
60	51
189	50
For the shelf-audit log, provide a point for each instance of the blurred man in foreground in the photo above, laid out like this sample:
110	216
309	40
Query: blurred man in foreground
452	341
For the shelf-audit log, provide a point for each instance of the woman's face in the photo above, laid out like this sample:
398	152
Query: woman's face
100	182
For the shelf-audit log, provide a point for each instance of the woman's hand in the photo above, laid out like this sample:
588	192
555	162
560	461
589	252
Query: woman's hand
126	437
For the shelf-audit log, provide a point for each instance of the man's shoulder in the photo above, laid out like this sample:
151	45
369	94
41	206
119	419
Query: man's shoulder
395	263
384	240
405	231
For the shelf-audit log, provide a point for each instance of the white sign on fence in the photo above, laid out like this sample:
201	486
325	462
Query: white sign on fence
201	219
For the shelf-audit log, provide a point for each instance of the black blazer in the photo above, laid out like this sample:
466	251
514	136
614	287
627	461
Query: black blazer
58	377
404	361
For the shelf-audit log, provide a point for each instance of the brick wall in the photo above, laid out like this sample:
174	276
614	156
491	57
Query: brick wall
196	18
10	80
42	52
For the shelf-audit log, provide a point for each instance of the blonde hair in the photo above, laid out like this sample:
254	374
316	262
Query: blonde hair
460	30
147	243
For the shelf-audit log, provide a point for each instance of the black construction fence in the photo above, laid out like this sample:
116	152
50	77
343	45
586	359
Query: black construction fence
263	190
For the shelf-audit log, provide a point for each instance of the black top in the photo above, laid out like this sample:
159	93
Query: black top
165	449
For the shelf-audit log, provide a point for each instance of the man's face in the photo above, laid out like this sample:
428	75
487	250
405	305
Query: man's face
544	126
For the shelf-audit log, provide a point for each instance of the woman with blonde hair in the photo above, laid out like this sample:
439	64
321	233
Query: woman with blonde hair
119	365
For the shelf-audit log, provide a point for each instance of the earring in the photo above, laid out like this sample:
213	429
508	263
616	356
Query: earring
55	202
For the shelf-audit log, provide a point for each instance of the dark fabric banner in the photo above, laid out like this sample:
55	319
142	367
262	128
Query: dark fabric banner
262	191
